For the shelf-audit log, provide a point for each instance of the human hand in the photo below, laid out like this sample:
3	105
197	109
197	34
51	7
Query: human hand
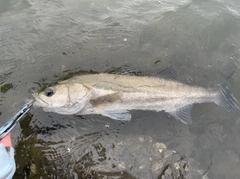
7	162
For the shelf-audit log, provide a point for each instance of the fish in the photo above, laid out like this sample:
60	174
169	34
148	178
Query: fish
115	95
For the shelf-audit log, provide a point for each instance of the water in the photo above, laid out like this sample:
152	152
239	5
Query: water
42	42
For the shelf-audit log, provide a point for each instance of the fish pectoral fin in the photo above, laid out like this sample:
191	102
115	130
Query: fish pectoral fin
118	115
183	114
106	99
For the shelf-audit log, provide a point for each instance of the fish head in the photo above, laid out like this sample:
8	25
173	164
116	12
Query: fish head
64	98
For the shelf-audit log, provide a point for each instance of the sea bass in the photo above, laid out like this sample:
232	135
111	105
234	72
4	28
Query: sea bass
113	95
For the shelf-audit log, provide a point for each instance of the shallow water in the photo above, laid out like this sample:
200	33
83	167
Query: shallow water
42	42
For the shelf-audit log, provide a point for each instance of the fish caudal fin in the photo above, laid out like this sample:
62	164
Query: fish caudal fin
227	100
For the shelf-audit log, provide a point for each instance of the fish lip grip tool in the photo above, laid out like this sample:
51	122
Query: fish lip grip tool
8	126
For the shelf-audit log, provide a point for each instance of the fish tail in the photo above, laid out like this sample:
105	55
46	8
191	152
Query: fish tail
226	99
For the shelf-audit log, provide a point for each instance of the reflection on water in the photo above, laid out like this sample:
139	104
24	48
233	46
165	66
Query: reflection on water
43	42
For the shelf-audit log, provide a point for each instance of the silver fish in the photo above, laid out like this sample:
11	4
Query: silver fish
113	95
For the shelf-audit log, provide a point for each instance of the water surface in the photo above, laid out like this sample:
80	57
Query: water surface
42	42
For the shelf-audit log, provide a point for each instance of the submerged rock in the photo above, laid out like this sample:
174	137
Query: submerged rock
104	156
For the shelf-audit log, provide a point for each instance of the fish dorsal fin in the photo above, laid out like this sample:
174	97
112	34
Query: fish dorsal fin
125	70
118	115
183	114
168	74
106	99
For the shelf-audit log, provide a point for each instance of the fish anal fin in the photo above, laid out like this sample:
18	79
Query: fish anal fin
183	114
118	115
106	99
168	74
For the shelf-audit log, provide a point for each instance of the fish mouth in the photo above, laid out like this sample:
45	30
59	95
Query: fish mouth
38	101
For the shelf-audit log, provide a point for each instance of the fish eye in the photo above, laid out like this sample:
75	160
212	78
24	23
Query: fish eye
49	92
